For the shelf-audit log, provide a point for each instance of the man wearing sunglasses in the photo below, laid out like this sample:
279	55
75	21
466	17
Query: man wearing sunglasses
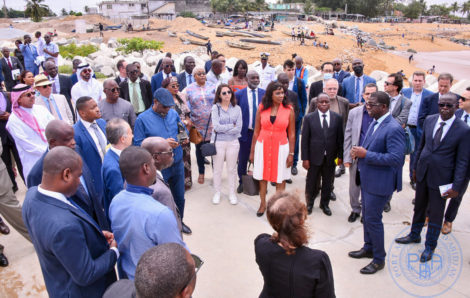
114	106
440	172
135	90
399	104
86	85
339	73
166	72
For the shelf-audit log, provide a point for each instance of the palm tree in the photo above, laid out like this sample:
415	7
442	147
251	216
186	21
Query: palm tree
465	8
455	7
36	10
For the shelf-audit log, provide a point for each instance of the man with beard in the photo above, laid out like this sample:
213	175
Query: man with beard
86	85
354	85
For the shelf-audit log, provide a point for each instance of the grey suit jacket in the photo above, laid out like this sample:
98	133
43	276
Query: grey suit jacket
352	133
401	111
62	105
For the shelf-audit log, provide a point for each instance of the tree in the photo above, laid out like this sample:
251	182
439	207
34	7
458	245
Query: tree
455	7
308	7
439	10
64	12
36	10
465	8
413	10
86	8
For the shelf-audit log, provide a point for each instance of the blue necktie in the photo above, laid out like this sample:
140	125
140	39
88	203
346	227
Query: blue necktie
83	212
358	90
190	79
466	118
255	106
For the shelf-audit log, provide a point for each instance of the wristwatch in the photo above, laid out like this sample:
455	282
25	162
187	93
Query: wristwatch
291	153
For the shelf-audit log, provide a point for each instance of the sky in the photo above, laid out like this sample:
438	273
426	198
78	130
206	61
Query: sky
78	5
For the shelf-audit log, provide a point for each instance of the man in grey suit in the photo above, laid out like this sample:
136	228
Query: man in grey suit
399	104
11	68
356	129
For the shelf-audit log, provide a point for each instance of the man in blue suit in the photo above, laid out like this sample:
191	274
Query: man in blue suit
60	133
186	77
77	258
90	135
442	160
248	99
380	163
30	54
416	94
339	74
166	72
119	134
353	85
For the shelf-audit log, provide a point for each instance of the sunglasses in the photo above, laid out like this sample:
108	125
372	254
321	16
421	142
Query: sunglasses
336	63
175	86
464	99
200	74
86	70
115	89
447	105
166	152
29	94
226	92
388	83
46	86
166	66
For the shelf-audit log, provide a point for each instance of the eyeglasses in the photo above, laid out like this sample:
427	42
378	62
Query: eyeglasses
166	66
372	104
226	92
46	86
115	89
200	74
166	152
388	83
447	105
86	70
464	99
29	94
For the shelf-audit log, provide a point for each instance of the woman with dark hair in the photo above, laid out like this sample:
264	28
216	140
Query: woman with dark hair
227	123
288	266
26	77
239	80
272	149
171	84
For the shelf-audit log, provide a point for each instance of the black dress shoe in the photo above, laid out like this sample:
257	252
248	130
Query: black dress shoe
413	185
186	230
408	239
309	208
359	254
289	181
340	171
353	217
372	268
387	207
240	188
426	255
326	210
3	260
4	229
206	161
332	196
294	171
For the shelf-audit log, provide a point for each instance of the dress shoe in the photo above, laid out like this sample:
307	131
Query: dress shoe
446	228
353	217
408	239
426	255
289	181
359	254
413	185
240	188
260	212
340	171
309	208
326	210
332	196
233	199
3	260
387	207
186	230
4	229
206	161
294	171
216	198
372	268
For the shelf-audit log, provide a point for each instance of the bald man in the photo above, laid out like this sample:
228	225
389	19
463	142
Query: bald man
166	72
77	258
60	133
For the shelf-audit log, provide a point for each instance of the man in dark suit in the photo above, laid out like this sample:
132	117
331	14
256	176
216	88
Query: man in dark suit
354	85
77	258
248	99
59	133
317	87
339	73
61	84
121	67
11	68
136	90
159	66
166	72
186	77
442	160
322	143
90	135
380	163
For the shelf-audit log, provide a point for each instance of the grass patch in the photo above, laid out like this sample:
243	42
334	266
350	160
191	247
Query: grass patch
72	50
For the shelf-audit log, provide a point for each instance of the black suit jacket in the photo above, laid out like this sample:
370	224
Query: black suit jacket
16	64
293	99
182	80
314	143
448	163
317	88
429	107
145	89
4	134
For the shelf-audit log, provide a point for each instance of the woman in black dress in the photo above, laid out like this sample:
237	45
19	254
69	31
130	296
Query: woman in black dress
289	268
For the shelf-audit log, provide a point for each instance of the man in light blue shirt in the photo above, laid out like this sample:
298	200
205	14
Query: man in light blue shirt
138	221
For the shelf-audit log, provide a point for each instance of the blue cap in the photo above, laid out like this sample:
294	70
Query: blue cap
164	97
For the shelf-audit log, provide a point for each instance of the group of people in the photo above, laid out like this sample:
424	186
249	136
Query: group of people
107	165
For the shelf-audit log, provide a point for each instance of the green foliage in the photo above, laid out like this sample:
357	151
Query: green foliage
72	50
414	9
187	14
36	11
438	10
100	75
63	12
138	44
77	14
308	7
333	4
233	6
65	69
322	9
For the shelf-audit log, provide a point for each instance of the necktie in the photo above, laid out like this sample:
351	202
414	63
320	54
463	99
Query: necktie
9	64
135	98
54	88
336	75
325	126
86	214
190	79
52	109
255	107
358	89
466	118
438	135
101	141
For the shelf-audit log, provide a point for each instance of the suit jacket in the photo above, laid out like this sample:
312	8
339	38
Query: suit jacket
4	134
429	107
117	79
112	178
408	91
299	88
317	88
74	255
352	133
459	114
157	79
89	152
145	91
349	86
62	105
401	110
384	159
242	100
182	80
448	163
313	140
293	100
341	76
343	106
16	64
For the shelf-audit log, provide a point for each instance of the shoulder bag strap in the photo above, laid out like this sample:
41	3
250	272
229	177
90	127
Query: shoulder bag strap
207	126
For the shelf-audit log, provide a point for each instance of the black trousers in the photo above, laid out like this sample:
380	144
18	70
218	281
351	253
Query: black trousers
454	204
9	149
325	172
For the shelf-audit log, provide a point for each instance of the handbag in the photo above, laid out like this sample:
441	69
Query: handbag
208	149
250	184
195	136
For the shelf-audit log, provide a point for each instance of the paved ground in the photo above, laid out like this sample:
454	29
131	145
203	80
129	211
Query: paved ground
223	236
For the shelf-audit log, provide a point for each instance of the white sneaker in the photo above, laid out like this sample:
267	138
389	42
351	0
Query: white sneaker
216	198
233	199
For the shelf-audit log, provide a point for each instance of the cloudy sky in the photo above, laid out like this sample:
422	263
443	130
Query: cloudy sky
79	5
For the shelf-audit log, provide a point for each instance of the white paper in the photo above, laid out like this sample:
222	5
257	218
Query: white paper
444	188
15	73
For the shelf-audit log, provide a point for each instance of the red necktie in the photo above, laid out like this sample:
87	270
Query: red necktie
9	64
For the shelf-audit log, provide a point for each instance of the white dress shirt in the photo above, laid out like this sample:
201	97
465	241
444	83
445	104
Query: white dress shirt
463	117
266	75
380	120
92	88
327	117
117	151
56	82
91	131
251	121
446	127
56	195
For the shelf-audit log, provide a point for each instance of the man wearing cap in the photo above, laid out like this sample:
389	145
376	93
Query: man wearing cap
27	124
86	85
163	121
267	73
56	104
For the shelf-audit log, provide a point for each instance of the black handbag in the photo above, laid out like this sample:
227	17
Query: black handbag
208	149
250	184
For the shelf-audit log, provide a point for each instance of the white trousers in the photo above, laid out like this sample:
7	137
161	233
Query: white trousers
226	151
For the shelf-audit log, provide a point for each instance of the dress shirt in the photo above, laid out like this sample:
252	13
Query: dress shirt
117	151
446	127
56	83
136	85
164	75
188	82
463	117
47	101
327	117
414	110
91	131
251	124
366	121
53	48
56	195
380	120
266	75
40	44
393	102
291	84
121	79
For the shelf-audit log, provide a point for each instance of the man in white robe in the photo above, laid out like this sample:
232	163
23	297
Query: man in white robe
87	85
